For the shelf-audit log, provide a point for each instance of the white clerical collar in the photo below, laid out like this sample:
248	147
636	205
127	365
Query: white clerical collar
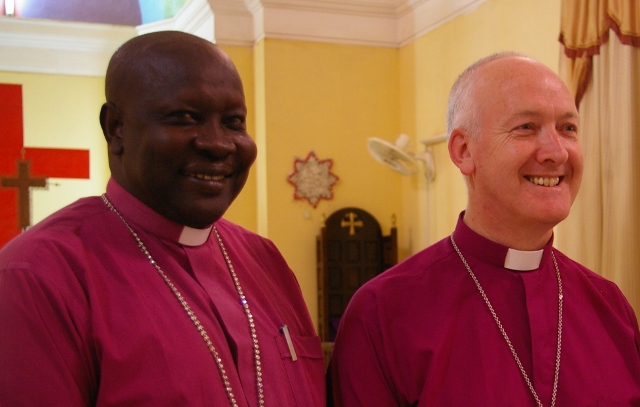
194	237
523	261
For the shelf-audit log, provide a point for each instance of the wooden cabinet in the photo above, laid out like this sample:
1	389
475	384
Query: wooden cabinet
350	251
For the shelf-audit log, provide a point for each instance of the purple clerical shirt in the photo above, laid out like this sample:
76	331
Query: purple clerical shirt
420	334
86	320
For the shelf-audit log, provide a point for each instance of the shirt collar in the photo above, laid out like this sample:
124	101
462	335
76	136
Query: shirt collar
495	254
194	237
137	213
522	260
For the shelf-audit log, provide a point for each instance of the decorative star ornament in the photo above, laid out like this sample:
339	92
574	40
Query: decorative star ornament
313	179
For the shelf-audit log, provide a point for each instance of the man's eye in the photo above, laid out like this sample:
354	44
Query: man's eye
527	126
182	118
235	122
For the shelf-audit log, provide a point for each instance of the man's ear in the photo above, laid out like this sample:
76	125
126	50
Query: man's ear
460	151
111	122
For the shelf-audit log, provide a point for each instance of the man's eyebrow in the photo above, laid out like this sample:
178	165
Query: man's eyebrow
527	113
570	115
534	113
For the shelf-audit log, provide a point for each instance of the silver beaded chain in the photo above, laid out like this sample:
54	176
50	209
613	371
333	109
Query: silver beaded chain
506	337
196	321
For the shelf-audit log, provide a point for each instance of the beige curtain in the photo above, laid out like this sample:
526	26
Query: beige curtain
603	71
585	25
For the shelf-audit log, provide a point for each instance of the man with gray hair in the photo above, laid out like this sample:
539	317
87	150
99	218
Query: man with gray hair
493	315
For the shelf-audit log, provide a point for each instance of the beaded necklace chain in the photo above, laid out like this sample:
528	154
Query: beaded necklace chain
196	322
506	337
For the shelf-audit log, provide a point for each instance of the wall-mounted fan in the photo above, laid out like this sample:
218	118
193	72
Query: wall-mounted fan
395	155
398	158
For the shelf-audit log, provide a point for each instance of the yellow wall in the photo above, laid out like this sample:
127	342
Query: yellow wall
328	99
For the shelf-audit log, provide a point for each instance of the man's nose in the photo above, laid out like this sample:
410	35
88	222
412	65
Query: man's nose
552	147
215	139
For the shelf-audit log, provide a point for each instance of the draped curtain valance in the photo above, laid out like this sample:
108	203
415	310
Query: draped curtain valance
585	26
600	62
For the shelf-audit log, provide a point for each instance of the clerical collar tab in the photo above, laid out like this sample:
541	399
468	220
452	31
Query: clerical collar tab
194	237
523	261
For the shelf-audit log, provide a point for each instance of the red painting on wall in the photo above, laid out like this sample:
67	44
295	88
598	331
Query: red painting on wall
22	168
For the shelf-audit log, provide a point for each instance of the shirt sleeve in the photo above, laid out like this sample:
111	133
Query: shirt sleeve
633	320
359	371
40	344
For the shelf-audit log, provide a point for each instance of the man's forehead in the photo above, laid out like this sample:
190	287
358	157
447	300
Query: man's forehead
175	62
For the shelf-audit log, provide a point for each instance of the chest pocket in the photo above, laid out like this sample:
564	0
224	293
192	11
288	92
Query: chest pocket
306	373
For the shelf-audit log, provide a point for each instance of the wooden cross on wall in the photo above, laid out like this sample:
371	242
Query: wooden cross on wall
31	163
23	182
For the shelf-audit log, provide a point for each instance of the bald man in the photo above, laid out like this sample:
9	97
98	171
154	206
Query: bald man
146	296
493	315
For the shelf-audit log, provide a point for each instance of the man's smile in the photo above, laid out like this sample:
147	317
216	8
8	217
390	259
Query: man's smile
206	177
546	182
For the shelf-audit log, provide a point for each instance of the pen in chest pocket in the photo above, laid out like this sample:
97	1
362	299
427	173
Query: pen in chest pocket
284	329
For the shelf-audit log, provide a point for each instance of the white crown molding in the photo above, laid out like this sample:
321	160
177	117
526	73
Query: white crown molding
385	23
238	22
330	26
429	15
54	47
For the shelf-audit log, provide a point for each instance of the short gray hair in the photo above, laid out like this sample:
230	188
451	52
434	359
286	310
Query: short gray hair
461	108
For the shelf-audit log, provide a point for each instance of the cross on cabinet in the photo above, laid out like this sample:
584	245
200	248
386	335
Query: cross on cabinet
350	251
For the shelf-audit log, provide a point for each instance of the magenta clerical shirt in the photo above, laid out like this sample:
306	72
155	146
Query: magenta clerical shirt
420	334
85	320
